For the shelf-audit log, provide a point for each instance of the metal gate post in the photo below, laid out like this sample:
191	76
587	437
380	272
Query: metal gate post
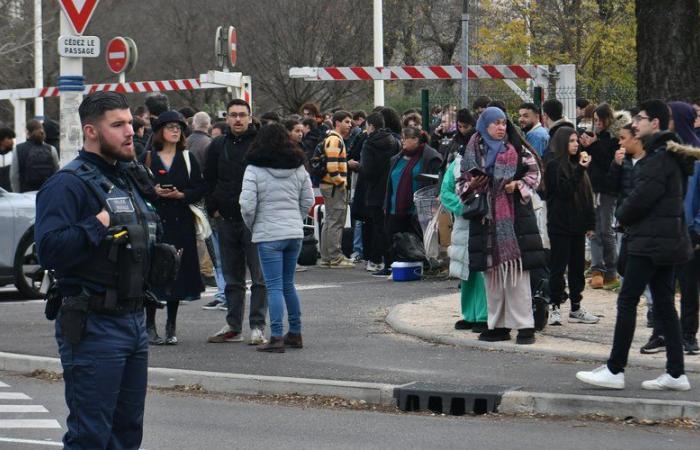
20	107
425	108
566	89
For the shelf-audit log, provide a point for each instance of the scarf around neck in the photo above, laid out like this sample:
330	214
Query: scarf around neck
404	191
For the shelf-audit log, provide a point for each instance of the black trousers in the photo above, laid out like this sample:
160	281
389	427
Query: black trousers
567	251
689	281
375	239
639	272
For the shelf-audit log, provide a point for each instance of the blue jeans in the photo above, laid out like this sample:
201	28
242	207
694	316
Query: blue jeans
603	245
218	273
105	377
279	261
357	238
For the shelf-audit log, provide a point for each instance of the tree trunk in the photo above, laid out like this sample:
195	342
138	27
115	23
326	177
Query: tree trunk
668	49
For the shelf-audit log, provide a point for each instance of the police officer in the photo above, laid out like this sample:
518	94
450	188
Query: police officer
97	232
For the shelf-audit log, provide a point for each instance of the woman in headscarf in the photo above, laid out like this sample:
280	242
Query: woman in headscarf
505	242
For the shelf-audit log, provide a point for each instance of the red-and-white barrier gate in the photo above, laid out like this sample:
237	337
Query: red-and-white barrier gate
240	84
565	75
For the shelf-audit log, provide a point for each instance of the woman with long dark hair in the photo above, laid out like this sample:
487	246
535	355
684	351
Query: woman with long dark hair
275	198
504	241
179	184
570	218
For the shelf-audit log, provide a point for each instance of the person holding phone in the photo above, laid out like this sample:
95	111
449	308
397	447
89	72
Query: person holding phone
506	242
178	183
570	218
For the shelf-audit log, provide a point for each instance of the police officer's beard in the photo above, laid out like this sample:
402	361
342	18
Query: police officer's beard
113	151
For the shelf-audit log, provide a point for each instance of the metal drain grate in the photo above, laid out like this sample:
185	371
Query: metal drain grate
449	399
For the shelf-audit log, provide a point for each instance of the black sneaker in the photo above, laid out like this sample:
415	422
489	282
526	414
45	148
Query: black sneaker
479	327
382	273
212	305
526	336
463	325
495	335
153	337
690	345
656	344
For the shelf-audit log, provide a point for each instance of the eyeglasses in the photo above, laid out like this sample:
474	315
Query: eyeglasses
639	118
242	115
173	127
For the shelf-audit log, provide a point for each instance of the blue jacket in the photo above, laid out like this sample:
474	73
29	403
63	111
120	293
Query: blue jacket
691	204
538	137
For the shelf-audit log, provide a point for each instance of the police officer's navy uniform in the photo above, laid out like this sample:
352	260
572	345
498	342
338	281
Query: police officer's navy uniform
105	373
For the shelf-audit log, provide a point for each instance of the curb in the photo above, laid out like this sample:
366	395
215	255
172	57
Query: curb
374	393
520	402
511	402
394	320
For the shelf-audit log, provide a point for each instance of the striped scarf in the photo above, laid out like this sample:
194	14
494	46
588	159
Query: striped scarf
503	252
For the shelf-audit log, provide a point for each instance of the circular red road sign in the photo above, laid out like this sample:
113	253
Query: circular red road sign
233	45
118	54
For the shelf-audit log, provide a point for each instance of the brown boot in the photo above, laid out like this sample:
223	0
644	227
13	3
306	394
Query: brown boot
597	280
276	345
293	340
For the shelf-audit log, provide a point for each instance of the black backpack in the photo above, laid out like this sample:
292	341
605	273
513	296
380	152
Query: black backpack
317	165
37	167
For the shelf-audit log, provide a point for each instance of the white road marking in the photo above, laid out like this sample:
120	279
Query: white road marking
29	423
32	441
14	396
317	286
23	409
3	385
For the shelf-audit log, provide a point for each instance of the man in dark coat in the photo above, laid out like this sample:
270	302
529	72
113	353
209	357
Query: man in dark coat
653	218
223	174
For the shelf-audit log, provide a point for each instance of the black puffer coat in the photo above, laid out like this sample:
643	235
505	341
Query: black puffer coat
621	179
602	152
653	214
377	151
565	215
529	240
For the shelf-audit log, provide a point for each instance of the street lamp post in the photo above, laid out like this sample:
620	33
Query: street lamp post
465	53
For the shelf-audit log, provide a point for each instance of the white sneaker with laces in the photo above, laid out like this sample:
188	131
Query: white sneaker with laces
582	316
667	383
554	316
371	267
602	377
257	337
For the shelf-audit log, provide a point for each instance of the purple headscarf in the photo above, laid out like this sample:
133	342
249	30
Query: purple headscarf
684	121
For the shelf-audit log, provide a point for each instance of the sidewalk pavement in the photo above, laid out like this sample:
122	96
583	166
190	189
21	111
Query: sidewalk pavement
433	319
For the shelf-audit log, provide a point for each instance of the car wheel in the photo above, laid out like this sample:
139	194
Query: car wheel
28	273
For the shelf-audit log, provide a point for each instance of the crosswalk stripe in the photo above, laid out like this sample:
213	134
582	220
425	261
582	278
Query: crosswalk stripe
3	385
29	423
14	396
32	441
22	409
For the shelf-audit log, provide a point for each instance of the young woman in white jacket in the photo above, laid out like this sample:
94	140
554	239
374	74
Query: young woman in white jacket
276	197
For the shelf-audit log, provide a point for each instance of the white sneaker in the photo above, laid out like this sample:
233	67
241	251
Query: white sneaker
371	267
301	268
602	377
667	383
582	316
554	316
257	337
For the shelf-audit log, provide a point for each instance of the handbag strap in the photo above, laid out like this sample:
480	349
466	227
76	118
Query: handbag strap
188	163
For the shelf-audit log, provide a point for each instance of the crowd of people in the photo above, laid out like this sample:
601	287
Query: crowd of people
529	191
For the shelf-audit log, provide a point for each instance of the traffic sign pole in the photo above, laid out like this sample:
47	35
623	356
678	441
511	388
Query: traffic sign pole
71	87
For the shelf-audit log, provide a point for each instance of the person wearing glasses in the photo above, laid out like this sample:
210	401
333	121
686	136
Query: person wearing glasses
224	177
657	240
178	183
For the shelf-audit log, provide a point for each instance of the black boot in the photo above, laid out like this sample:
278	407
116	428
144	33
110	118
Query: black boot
463	325
170	338
153	337
526	336
495	335
276	345
479	327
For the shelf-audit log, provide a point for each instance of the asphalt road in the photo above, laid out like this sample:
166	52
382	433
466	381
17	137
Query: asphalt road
345	338
176	421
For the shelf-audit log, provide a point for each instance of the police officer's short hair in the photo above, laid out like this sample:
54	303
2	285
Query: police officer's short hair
94	106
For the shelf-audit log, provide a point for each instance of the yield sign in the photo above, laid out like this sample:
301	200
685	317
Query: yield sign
78	13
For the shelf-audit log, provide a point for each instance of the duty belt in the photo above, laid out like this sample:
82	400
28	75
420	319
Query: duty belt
96	304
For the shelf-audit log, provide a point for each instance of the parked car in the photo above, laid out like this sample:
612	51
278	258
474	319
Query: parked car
19	264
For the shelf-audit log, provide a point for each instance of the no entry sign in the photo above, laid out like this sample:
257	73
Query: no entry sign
233	45
118	54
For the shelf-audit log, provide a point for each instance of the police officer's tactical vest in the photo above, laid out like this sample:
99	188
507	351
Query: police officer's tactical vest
121	262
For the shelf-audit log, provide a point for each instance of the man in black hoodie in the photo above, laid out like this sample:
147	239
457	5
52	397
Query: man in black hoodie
379	147
224	175
653	217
